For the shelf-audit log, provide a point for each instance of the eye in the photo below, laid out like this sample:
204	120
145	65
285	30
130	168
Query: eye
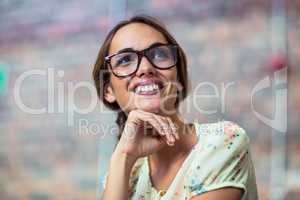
161	53
123	59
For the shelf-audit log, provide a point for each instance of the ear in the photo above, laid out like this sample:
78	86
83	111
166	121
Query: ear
179	85
109	94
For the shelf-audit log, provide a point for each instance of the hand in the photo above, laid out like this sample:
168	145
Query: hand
145	133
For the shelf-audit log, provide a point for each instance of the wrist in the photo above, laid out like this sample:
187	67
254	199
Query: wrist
120	157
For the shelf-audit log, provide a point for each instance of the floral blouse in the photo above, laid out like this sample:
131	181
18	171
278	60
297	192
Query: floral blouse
221	158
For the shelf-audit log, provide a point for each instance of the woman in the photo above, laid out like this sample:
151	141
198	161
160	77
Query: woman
141	71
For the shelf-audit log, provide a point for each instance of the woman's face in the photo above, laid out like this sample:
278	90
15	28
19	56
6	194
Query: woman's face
127	90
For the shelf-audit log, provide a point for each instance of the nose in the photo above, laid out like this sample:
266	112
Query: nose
145	68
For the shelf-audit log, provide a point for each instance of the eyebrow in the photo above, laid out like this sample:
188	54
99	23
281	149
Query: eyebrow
131	49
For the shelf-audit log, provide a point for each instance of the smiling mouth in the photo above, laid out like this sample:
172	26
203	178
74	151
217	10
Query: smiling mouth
149	89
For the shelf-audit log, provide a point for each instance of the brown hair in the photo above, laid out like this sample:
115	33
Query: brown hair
102	76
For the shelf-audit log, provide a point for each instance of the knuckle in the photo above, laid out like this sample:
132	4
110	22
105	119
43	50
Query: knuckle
152	115
132	114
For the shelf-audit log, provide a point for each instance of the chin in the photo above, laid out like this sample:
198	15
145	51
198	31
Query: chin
152	107
155	106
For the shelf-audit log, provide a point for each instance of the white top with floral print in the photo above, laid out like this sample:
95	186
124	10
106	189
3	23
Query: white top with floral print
221	158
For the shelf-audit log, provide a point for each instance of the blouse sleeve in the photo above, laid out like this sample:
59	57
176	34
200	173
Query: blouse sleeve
227	159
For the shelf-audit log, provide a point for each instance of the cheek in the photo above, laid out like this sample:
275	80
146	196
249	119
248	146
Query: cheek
118	83
120	88
171	75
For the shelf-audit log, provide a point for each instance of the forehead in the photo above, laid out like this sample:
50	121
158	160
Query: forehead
137	36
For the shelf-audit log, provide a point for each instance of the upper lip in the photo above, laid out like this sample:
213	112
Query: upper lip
147	82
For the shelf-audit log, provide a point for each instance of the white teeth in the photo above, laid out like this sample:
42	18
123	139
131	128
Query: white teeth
146	88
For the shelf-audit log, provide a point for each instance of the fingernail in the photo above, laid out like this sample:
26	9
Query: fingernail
174	132
176	135
169	137
170	143
172	138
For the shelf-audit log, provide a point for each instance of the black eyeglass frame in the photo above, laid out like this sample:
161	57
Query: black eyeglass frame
141	54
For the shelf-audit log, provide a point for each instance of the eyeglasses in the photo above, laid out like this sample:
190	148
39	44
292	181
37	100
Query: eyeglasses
126	63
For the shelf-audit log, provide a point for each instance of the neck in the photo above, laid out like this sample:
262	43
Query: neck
168	154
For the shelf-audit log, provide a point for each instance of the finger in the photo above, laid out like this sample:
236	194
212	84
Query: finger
149	129
173	128
167	129
160	122
158	126
138	122
164	126
170	128
155	124
160	135
170	143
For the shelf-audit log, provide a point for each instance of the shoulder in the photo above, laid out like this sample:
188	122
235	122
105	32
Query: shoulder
223	134
222	146
221	159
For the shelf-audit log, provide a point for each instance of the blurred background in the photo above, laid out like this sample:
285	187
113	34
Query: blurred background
49	48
